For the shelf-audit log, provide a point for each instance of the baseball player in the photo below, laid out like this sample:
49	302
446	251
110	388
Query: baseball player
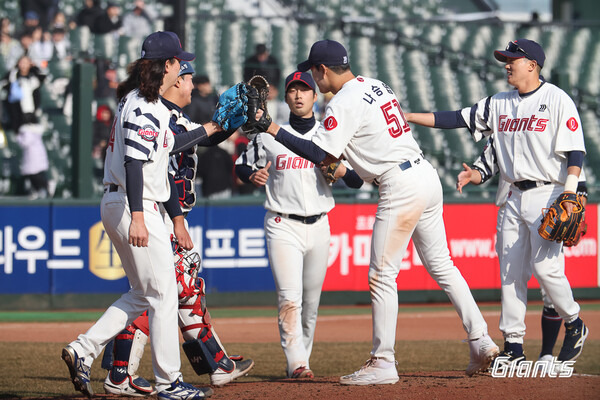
539	151
365	124
136	180
298	199
484	168
123	358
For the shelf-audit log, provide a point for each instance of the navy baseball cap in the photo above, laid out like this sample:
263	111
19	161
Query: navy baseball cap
326	52
522	48
164	45
185	68
303	77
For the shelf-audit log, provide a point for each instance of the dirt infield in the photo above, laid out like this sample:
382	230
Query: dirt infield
426	325
418	326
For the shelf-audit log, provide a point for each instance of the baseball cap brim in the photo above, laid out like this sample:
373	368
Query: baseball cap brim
185	56
504	55
304	66
299	80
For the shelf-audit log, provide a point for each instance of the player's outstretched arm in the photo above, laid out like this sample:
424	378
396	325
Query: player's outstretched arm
466	176
425	119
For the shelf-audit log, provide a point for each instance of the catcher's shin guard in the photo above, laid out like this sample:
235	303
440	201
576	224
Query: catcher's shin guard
122	355
206	354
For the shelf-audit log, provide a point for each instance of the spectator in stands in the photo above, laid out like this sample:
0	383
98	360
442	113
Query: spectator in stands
10	48
61	44
262	63
215	169
32	20
59	21
138	23
278	108
106	82
41	48
109	21
101	134
89	13
45	10
204	100
22	85
25	39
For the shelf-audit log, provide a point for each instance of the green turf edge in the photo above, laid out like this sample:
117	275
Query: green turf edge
93	301
61	314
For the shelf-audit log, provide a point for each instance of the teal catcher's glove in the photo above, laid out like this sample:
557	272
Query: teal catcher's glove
232	108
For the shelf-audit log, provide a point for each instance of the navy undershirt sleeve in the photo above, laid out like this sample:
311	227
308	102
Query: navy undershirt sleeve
198	136
172	205
575	159
449	120
243	172
304	148
134	181
352	179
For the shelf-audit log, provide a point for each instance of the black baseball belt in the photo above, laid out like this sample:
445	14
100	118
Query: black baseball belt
526	185
111	188
311	219
410	163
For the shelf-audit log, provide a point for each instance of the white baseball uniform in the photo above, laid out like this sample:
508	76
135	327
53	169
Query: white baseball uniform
487	166
364	123
140	131
298	250
532	134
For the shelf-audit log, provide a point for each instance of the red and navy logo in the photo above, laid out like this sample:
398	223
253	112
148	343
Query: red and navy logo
572	124
330	123
148	133
360	79
278	219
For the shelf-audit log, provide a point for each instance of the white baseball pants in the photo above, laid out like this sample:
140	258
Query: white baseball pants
298	255
153	288
522	249
411	204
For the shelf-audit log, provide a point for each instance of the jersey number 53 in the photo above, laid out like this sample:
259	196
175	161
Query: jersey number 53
392	114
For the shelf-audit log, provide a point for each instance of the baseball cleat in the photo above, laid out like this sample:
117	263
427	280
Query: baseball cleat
483	352
374	372
302	372
180	390
575	334
133	386
512	354
220	377
544	363
80	373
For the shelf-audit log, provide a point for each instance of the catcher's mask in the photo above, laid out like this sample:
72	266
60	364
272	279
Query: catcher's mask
186	262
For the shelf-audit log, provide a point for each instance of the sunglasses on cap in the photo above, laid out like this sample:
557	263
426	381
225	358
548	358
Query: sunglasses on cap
514	48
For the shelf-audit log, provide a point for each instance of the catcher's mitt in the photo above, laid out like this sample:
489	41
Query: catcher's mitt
232	108
556	225
329	172
257	100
